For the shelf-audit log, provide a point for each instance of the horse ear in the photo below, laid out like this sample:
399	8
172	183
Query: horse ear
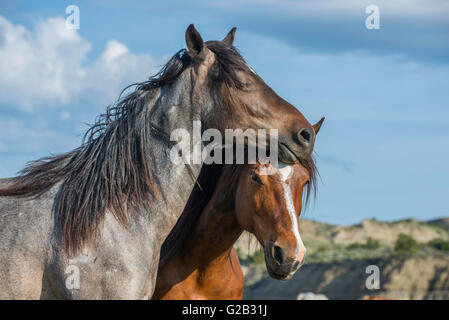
229	39
316	127
195	43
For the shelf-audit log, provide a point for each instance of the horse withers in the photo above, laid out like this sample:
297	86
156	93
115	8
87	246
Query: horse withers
198	261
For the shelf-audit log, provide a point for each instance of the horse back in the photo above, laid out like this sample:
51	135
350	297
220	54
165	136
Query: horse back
5	181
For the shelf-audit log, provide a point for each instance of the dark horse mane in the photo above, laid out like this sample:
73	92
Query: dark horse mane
202	194
111	170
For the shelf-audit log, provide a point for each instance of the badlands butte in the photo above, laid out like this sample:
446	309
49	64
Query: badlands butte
412	257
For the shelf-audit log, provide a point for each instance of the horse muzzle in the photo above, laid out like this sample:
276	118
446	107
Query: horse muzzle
279	266
300	147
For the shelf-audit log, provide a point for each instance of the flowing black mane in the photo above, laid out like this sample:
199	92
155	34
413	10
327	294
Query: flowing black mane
112	167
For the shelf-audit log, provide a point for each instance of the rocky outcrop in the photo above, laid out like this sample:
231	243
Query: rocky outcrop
400	278
337	271
385	232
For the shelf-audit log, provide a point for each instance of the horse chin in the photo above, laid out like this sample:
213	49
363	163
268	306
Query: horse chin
286	155
278	276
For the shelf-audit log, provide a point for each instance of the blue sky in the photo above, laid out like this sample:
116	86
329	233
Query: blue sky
383	151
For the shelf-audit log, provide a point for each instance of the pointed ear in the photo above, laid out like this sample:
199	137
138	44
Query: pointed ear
229	39
195	43
316	127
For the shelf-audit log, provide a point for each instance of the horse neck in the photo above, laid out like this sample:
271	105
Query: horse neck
216	230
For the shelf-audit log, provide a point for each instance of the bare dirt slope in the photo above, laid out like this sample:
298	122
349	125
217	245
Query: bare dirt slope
401	278
335	268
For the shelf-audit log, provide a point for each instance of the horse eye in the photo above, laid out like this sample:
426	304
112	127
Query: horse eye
255	177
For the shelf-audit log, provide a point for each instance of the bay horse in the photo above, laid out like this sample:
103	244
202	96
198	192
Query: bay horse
201	263
90	223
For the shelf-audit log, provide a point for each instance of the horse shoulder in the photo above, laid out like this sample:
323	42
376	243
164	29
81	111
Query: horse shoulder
25	240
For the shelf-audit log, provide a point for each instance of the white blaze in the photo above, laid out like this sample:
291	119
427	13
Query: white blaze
285	171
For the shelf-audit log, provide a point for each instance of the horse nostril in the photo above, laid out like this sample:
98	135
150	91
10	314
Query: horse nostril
305	135
278	254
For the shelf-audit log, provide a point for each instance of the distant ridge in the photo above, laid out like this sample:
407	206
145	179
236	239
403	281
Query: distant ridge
442	222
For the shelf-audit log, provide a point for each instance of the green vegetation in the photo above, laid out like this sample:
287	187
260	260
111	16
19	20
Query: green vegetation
439	244
327	243
405	244
258	257
355	246
370	244
239	253
322	248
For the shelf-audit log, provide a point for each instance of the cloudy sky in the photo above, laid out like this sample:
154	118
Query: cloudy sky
383	151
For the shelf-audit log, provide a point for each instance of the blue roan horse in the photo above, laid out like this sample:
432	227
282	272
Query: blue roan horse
89	224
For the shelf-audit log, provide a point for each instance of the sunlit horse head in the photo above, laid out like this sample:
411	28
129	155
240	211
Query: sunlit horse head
244	99
198	259
269	206
235	198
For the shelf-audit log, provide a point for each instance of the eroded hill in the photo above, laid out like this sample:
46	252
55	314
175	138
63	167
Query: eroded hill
414	267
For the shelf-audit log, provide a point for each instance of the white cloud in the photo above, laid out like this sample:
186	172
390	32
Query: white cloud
117	68
49	66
